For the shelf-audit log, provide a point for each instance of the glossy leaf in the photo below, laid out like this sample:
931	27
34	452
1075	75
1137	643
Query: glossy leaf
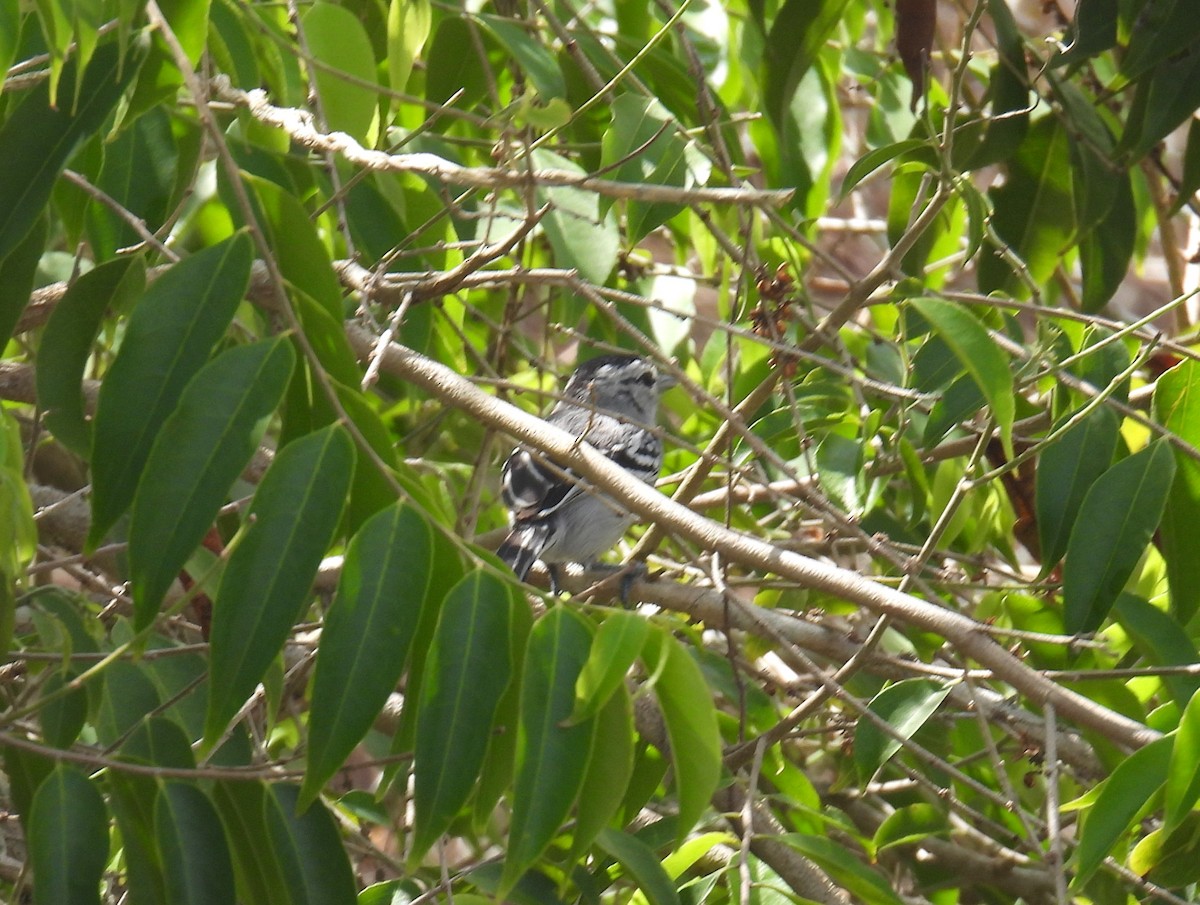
68	839
309	847
17	271
67	344
904	706
979	355
382	593
63	713
910	825
1183	770
38	138
642	864
457	710
617	644
845	870
1066	471
167	340
691	725
1129	791
798	32
1177	407
1032	210
534	58
608	774
257	867
338	43
552	758
268	577
1162	641
1116	520
201	449
133	800
192	840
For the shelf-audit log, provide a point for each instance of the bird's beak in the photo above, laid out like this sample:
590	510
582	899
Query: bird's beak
665	381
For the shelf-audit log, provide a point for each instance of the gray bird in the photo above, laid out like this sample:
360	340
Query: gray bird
610	402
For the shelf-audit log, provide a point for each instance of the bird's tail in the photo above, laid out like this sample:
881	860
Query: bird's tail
523	546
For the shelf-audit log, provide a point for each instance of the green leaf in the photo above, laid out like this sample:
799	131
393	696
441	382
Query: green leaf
1162	641
129	694
1032	210
199	453
797	35
537	62
1165	28
243	809
67	344
618	643
25	771
1007	91
1129	791
10	32
875	158
1116	521
17	271
904	706
159	742
642	864
339	44
457	710
133	800
316	868
691	720
195	855
846	870
910	825
267	579
408	25
167	340
979	355
63	715
552	758
1177	408
1183	770
37	139
384	589
1066	471
609	772
581	237
68	839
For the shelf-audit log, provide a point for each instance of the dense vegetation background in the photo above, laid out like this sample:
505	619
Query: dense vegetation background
282	283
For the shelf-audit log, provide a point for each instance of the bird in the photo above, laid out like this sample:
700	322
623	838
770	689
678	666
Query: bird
611	402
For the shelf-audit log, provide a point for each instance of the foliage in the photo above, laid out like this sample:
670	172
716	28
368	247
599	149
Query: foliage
921	277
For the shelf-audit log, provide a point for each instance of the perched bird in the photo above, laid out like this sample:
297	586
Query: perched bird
611	402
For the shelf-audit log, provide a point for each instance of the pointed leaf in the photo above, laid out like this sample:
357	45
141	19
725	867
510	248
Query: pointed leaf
243	809
609	771
1162	641
408	26
691	720
167	340
552	758
1066	471
37	138
268	577
382	593
1128	791
67	344
904	706
642	864
1177	408
316	868
473	640
1183	770
195	855
68	839
979	355
133	800
844	868
17	271
199	453
618	643
1116	521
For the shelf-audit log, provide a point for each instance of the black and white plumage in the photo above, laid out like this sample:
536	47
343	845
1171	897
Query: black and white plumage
610	402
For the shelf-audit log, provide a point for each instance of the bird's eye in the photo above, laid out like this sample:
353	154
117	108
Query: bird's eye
646	378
